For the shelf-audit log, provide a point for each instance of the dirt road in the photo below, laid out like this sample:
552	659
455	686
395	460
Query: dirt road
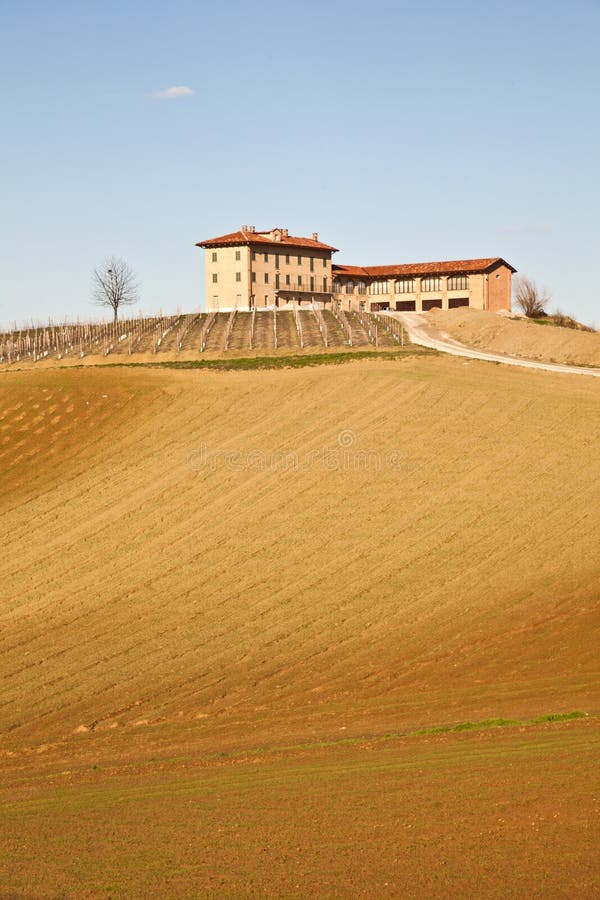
425	334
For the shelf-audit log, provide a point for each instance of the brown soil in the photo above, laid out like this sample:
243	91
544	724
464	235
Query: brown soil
429	555
508	813
519	337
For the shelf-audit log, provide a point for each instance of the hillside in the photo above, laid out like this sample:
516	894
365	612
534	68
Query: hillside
201	569
234	591
272	332
519	336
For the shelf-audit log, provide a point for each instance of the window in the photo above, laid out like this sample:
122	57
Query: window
238	254
312	282
287	279
380	287
287	258
405	286
254	276
337	287
214	277
325	285
238	276
254	256
349	287
299	260
266	277
312	264
214	256
458	283
324	262
266	257
432	283
276	281
277	260
299	279
362	287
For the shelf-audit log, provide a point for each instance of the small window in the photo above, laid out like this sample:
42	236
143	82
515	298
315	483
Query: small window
214	277
254	276
277	260
238	254
405	286
324	262
254	256
432	283
287	258
380	287
312	264
337	287
312	282
299	279
266	277
299	260
238	276
266	257
325	285
287	279
458	283
349	287
362	287
214	256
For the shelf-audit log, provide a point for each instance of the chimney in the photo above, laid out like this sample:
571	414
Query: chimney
244	229
315	236
284	232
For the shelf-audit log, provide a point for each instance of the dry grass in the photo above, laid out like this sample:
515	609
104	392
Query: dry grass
520	337
182	611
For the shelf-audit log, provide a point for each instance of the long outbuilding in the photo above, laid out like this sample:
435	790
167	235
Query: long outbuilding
249	269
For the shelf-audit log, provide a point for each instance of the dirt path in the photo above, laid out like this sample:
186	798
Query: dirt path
425	334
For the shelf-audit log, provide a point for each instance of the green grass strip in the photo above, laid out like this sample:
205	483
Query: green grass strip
273	362
396	735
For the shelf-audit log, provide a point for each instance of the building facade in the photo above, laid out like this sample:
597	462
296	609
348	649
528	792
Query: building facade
259	269
250	268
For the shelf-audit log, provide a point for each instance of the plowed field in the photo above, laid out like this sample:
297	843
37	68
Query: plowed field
201	567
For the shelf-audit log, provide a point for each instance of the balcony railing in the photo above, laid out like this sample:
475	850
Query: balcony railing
304	287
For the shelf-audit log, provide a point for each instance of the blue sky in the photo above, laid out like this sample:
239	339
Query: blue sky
401	132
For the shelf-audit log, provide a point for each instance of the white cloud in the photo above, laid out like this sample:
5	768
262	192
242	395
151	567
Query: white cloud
173	92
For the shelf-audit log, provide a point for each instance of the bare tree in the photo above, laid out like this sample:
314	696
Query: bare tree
529	298
114	285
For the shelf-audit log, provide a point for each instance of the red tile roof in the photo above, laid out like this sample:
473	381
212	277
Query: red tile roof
263	237
428	268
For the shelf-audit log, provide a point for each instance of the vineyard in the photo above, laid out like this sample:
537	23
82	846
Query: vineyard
186	335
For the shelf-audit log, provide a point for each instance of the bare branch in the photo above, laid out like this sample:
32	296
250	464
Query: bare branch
114	285
529	298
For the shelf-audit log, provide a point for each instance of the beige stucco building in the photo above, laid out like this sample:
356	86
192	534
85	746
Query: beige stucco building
250	268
